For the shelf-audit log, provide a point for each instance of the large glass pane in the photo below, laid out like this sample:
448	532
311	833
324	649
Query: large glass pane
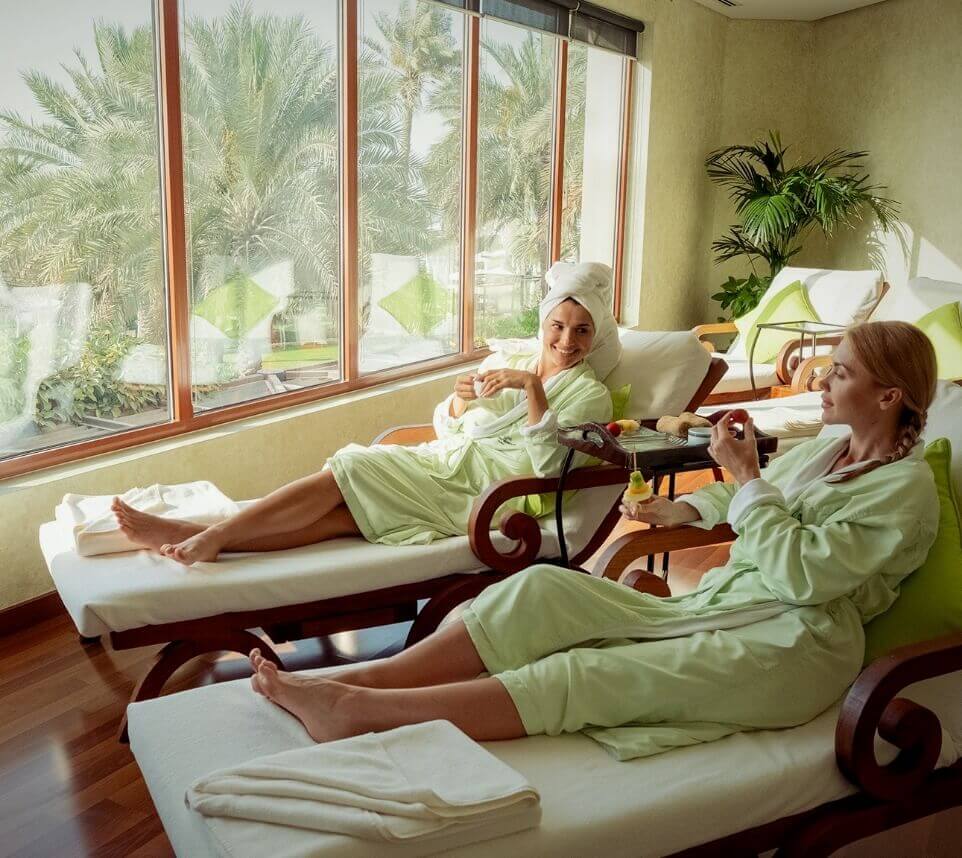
592	154
410	94
83	337
260	96
514	178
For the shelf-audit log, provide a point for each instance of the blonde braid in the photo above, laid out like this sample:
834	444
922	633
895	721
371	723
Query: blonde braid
911	432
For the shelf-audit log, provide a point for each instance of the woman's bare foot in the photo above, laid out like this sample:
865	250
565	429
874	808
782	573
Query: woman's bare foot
151	531
203	547
328	710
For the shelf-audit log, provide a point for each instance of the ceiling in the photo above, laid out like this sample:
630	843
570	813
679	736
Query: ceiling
786	10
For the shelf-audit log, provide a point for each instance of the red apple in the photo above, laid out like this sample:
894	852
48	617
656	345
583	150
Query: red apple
738	415
614	429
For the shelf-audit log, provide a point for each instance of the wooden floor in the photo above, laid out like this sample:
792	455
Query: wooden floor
68	789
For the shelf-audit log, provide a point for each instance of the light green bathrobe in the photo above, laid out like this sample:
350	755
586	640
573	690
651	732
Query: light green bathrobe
769	640
411	495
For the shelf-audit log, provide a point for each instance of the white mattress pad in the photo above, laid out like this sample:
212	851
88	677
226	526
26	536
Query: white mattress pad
591	803
124	591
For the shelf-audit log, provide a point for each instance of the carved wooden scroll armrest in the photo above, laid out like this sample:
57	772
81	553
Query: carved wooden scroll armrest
703	332
520	526
414	434
871	705
806	376
789	357
625	550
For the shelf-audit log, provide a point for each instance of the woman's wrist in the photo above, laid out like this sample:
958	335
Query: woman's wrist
746	475
684	513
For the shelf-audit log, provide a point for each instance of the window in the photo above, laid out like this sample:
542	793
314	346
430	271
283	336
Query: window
83	335
214	208
515	102
411	70
259	95
591	154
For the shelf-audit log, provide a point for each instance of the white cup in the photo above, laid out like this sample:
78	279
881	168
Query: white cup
699	435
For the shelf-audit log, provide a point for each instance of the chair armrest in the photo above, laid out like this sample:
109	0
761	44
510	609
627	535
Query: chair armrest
524	528
788	358
805	376
625	550
704	331
413	434
871	705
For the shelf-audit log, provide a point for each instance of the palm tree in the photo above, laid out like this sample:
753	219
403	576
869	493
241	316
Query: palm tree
417	45
79	189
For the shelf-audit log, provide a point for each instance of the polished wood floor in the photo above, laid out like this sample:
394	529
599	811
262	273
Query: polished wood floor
68	789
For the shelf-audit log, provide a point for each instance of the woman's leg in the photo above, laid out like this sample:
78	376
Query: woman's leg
448	655
294	507
154	532
330	710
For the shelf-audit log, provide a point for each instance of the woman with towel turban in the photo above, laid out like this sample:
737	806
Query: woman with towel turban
498	423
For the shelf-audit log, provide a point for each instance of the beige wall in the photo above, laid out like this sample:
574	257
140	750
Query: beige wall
888	79
767	83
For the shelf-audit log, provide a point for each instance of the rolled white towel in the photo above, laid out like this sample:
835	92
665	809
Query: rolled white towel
403	785
96	531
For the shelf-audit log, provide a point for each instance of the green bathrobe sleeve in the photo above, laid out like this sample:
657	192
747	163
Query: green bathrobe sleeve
585	401
813	562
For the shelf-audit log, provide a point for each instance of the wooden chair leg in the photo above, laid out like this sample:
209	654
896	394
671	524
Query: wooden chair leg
177	653
441	604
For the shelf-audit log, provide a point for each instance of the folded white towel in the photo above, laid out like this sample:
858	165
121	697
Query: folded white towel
424	782
95	529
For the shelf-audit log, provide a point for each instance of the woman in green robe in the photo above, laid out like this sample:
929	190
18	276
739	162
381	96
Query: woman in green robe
500	422
769	640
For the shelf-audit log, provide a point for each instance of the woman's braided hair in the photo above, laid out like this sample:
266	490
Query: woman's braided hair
897	354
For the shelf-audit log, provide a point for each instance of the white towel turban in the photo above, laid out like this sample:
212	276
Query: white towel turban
588	283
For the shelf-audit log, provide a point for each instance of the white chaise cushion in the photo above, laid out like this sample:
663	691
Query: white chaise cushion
664	369
737	379
839	297
592	804
140	588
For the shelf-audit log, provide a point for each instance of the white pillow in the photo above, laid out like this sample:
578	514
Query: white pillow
664	369
908	302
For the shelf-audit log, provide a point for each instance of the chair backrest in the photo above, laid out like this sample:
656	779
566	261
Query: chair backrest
909	301
840	297
664	368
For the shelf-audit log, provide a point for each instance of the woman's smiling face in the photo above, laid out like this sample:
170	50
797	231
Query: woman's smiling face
568	332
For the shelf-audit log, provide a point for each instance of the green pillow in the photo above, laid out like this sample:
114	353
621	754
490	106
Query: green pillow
619	401
791	304
930	602
943	326
236	306
420	305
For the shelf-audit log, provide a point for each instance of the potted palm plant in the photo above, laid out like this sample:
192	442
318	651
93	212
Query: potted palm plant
779	205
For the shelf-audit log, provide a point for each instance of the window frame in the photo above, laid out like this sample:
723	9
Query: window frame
184	418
